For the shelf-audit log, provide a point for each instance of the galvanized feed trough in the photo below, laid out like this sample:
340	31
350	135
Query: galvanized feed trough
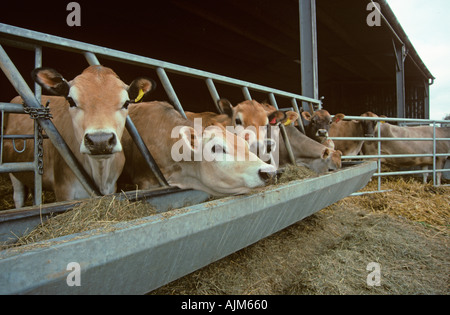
138	258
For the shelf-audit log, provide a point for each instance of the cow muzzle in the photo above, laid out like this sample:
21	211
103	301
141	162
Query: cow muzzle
100	143
267	173
322	133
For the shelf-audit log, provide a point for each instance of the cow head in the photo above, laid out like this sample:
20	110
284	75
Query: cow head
247	117
97	101
226	166
318	124
368	127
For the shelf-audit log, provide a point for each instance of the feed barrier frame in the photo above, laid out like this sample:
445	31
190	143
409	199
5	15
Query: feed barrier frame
32	40
378	157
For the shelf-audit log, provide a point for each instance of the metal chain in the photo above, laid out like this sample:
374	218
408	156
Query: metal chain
36	113
40	151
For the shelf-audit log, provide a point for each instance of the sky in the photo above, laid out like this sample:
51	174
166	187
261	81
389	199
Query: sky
427	24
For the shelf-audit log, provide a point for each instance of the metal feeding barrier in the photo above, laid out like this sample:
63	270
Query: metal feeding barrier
379	156
32	40
142	255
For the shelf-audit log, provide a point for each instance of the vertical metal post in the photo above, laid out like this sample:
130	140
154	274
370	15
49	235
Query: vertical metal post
91	58
399	52
145	152
246	93
299	119
37	135
426	101
27	95
287	143
169	90
434	153
213	91
379	153
308	51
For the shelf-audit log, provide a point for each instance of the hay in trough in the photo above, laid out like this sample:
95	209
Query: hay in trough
98	213
295	172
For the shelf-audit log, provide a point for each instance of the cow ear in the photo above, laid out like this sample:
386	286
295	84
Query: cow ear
290	118
51	80
139	88
306	116
338	118
226	107
326	153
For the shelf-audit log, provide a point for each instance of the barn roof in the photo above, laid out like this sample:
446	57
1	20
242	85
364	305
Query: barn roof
253	40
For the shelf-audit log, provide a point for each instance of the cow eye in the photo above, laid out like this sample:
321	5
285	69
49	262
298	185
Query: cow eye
125	105
218	149
71	102
238	121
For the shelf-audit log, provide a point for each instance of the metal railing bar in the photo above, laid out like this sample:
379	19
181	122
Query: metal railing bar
394	119
386	139
17	167
246	93
38	140
24	91
12	108
299	119
391	156
91	58
410	172
145	152
214	94
107	53
170	90
287	143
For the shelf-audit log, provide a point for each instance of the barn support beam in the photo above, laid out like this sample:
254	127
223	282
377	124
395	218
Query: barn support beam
400	56
308	51
426	101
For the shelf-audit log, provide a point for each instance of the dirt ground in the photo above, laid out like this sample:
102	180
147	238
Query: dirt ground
329	252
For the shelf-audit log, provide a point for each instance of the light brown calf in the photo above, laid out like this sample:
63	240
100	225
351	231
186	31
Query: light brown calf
90	114
212	160
351	128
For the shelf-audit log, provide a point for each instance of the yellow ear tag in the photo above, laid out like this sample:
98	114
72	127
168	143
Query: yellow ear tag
383	122
288	122
139	97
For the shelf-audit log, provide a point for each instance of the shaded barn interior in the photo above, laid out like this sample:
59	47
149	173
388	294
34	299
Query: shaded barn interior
253	40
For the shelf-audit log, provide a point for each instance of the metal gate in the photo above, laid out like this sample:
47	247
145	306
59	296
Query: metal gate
378	157
31	40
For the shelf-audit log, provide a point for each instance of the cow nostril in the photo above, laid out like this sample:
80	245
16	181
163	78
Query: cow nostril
88	141
266	175
112	141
